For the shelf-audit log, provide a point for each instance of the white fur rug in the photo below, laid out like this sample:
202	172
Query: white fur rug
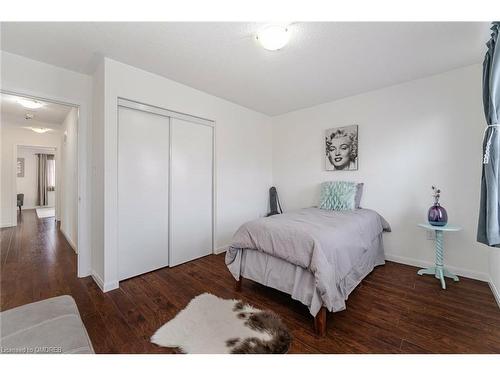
212	325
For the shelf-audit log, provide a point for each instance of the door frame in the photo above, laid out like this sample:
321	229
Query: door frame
83	252
168	114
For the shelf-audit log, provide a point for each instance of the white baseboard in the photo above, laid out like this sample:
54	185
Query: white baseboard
105	287
70	241
85	273
495	292
7	225
481	276
98	281
221	250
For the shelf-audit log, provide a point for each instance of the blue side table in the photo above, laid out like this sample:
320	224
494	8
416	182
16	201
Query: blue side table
438	270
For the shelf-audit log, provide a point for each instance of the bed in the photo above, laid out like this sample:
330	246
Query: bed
317	256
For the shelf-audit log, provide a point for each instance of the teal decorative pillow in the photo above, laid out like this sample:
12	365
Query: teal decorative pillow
338	195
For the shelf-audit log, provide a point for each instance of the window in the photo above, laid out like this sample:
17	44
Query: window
51	173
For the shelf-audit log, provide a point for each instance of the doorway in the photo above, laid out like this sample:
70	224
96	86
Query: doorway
36	187
43	178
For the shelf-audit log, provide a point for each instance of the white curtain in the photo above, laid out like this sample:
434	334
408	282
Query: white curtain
51	173
46	178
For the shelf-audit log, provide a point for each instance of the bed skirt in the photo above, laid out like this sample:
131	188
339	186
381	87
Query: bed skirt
299	282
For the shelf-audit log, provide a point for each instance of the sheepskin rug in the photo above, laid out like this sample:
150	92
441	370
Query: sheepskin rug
212	325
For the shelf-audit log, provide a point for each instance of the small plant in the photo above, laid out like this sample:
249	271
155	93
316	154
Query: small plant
436	193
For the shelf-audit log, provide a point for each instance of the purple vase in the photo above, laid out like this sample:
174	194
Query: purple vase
437	215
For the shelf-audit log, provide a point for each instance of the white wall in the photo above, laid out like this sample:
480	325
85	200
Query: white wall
411	136
11	136
28	184
29	77
243	151
69	177
97	143
495	273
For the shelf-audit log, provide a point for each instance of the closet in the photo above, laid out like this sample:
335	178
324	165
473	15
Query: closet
165	188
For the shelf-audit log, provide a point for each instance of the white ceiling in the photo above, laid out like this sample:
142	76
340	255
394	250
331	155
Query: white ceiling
50	115
322	62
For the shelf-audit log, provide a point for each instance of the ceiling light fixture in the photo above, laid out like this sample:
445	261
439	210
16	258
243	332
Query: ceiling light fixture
28	103
273	37
40	130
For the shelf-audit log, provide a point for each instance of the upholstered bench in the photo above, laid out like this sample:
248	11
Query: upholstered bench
49	326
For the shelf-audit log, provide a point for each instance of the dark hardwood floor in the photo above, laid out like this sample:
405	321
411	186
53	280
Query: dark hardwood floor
392	311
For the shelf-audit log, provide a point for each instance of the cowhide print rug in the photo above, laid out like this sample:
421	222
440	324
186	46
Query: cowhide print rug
213	325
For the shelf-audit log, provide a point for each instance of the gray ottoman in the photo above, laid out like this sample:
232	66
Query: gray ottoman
49	326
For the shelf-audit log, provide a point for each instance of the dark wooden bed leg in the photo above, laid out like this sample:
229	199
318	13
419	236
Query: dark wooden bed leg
320	322
237	287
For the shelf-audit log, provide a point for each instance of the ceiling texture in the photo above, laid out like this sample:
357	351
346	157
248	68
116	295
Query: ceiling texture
323	61
50	115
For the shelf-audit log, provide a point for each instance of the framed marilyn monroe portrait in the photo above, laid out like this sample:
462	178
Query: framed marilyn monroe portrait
341	148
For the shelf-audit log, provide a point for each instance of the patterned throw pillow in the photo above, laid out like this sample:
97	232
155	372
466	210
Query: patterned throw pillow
338	195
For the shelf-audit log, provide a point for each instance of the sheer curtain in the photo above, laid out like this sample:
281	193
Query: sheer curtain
51	173
46	178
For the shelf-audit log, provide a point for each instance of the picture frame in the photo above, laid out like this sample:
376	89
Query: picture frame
341	148
20	167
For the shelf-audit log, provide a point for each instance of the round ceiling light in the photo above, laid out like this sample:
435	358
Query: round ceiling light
40	130
273	38
28	103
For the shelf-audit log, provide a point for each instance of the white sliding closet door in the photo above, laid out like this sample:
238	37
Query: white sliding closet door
143	180
191	191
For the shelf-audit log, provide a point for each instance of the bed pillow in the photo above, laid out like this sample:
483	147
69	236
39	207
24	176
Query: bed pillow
338	195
